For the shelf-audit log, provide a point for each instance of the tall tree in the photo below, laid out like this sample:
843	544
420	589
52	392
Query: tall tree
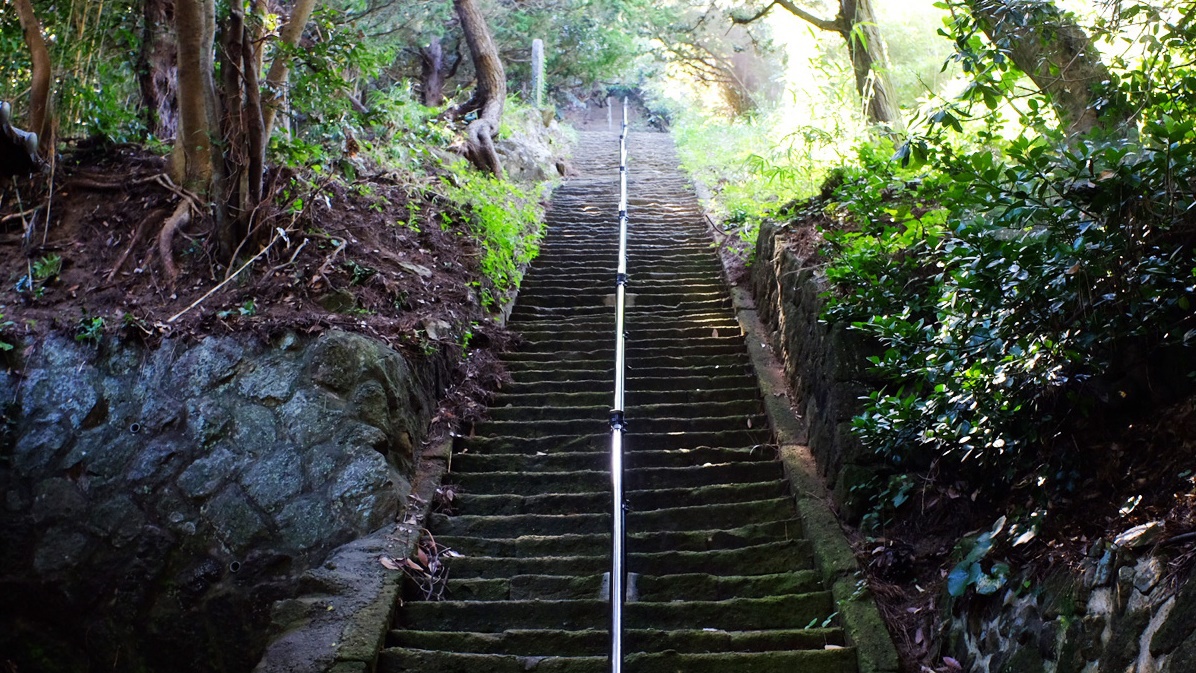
856	24
193	160
156	69
280	68
41	116
1058	56
490	96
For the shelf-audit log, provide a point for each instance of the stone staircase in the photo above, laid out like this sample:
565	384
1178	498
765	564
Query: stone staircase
726	582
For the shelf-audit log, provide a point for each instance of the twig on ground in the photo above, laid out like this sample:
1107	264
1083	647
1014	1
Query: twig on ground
226	281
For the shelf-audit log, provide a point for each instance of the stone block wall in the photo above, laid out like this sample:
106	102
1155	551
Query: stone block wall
1121	610
826	364
157	500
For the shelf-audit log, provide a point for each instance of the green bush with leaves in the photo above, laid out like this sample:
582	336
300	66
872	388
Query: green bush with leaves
504	219
1015	285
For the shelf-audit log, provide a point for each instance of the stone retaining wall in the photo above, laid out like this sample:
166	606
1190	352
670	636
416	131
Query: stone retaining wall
826	364
1122	610
158	500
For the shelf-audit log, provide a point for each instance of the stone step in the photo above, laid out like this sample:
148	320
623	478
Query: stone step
786	661
649	378
555	412
636	479
546	428
591	544
763	559
635	385
600	502
636	361
636	440
586	350
634	398
657	588
595	642
600	460
726	515
740	614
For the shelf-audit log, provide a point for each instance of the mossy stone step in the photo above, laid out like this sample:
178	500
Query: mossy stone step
678	587
762	559
554	412
633	398
576	360
599	295
600	460
788	661
638	440
635	423
595	642
637	479
640	308
738	614
636	385
600	502
679	518
645	324
586	350
574	544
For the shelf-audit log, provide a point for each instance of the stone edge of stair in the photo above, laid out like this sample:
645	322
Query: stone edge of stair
836	562
339	623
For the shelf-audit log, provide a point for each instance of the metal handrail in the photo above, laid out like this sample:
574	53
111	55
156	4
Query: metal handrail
617	424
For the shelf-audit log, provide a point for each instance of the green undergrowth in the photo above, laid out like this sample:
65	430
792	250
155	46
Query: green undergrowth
505	219
750	166
1020	286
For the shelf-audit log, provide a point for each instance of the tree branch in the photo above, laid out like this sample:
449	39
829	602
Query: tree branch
833	26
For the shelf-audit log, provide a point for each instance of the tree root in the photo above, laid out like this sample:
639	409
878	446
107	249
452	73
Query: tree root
180	218
124	256
481	150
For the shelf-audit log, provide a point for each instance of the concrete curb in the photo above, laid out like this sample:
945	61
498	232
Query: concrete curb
836	561
339	622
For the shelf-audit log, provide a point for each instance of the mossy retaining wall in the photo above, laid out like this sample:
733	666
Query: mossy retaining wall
825	364
159	500
1121	610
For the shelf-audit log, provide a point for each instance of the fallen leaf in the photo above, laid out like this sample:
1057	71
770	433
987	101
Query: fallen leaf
389	563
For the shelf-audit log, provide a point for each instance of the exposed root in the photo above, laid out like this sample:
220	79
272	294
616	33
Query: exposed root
180	218
481	147
124	256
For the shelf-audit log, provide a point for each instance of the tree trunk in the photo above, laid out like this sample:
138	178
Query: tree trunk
1059	58
856	24
431	73
193	160
869	61
157	70
280	70
233	123
255	127
491	93
41	116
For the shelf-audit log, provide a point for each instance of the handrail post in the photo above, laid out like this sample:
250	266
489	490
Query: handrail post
617	423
